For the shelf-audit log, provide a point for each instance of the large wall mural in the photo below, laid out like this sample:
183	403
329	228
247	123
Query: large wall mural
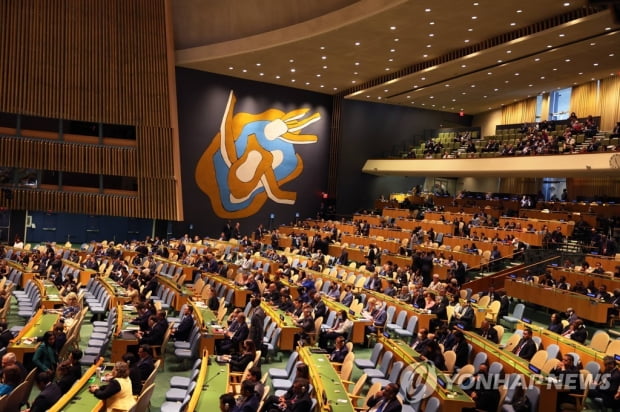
251	158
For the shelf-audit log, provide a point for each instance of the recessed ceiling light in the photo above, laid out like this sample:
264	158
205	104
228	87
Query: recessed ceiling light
307	83
396	39
447	85
561	35
566	60
245	70
335	88
530	85
318	75
470	29
292	80
387	69
519	11
422	78
425	55
475	4
415	86
513	23
466	41
463	65
593	44
428	46
489	73
485	96
454	100
549	46
390	60
261	74
355	73
580	73
291	60
508	51
566	4
555	69
378	97
277	76
392	50
230	68
537	59
386	90
353	81
542	77
357	43
506	81
594	64
431	23
392	27
495	90
427	10
321	86
500	61
473	85
431	97
357	63
322	47
607	28
516	74
292	70
324	67
408	97
431	35
464	93
611	55
324	57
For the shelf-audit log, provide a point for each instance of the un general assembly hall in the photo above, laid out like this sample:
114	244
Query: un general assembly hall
306	206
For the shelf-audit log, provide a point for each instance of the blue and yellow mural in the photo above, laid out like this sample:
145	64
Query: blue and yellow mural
251	158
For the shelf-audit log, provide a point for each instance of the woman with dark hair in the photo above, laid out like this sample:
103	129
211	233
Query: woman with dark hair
239	361
45	356
433	353
117	394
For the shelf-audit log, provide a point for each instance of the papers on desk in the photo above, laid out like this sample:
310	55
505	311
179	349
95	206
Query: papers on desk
129	308
132	328
201	305
54	297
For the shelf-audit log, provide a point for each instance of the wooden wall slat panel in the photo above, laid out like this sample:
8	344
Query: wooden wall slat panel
93	61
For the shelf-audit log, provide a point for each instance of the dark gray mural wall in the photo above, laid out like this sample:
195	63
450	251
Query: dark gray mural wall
239	152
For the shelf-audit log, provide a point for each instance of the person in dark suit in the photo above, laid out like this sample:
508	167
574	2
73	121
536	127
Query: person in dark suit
487	331
300	401
385	400
145	363
526	348
257	323
343	259
576	331
183	331
607	390
50	393
154	335
463	315
379	317
461	349
142	319
347	299
567	374
556	324
249	398
232	340
69	371
422	340
320	309
339	352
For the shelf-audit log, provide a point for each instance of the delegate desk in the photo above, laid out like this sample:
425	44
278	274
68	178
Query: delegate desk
181	293
423	317
391	212
214	383
565	227
505	249
27	274
566	345
389	245
559	300
328	388
573	277
608	263
83	275
359	322
51	296
78	398
26	341
209	327
241	295
514	364
452	398
125	333
286	323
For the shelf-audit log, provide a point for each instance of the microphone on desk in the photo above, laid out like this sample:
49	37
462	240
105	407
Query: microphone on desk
206	384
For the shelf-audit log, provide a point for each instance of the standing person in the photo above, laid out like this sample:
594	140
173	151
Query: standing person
45	356
257	323
117	394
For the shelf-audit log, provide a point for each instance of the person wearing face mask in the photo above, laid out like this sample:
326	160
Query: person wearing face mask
342	328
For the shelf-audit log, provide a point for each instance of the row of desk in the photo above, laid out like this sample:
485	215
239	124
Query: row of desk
559	300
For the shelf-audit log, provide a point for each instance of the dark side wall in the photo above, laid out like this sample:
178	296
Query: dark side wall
202	99
370	130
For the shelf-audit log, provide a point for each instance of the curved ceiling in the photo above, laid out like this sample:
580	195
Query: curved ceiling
378	50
